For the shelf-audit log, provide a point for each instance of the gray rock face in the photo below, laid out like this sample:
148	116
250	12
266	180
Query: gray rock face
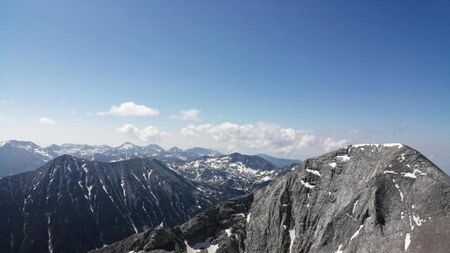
364	198
74	205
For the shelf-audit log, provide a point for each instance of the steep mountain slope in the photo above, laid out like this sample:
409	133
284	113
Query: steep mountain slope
364	198
235	173
20	156
73	205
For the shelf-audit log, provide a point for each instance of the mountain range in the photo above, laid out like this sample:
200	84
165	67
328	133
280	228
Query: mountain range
98	194
362	198
73	205
20	156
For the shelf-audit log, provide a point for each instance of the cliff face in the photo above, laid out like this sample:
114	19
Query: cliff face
364	198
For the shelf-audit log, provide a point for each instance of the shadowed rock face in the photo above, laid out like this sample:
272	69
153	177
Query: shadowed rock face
364	198
74	205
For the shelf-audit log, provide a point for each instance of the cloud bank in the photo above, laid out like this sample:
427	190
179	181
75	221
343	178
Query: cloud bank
130	109
46	121
259	136
330	144
187	115
149	133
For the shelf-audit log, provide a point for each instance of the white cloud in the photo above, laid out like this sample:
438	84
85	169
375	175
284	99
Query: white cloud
330	144
189	115
260	136
46	121
149	133
130	109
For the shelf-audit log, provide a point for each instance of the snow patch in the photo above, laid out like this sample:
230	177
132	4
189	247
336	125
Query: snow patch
228	232
315	172
49	232
339	249
391	145
354	207
386	145
213	248
415	173
398	188
390	172
333	164
407	241
343	157
200	247
402	157
292	236
418	220
307	185
266	178
240	215
356	233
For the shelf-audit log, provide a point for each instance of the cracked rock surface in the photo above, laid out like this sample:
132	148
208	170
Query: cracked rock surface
363	198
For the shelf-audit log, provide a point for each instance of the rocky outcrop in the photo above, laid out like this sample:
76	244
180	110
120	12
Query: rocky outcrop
363	198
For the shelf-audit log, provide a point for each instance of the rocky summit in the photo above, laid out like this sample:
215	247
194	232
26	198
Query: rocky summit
363	198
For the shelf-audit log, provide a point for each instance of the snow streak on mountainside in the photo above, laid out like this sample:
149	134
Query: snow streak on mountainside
74	205
363	198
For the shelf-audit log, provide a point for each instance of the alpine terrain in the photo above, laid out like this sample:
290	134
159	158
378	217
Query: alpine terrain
225	175
233	174
74	205
21	156
363	198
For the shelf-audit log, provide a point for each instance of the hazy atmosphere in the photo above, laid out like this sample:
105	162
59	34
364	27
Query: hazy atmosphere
257	126
294	80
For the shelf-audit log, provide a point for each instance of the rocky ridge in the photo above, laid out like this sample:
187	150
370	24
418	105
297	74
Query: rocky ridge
363	198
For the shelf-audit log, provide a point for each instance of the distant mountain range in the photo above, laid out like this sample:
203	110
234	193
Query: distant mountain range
233	174
363	198
21	156
98	194
279	162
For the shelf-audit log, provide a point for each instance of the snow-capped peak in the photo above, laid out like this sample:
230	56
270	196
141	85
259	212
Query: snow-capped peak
386	145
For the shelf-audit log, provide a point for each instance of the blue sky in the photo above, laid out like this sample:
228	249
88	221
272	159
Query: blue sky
334	72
